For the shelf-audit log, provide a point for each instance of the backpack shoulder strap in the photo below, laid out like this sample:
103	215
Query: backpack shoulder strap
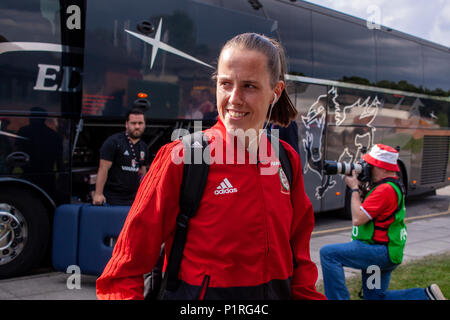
282	155
397	182
287	168
195	176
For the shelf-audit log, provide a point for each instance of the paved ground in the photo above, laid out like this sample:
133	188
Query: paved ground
428	236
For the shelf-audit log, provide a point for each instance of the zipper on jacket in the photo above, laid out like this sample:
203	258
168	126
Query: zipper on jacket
266	228
264	204
204	287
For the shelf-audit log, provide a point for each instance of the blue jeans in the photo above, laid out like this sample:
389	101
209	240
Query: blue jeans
376	268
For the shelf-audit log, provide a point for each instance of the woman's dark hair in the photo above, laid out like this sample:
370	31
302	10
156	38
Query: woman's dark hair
283	111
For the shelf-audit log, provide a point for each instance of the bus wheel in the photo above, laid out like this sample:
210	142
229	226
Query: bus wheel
24	232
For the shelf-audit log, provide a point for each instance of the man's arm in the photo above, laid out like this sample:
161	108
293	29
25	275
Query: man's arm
102	175
143	171
358	216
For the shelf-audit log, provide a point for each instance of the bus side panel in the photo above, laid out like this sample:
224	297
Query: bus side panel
311	102
357	119
417	127
431	146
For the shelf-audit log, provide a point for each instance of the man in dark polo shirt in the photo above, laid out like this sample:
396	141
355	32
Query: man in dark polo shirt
123	160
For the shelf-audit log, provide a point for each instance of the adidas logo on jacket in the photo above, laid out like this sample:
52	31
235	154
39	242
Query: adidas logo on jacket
225	187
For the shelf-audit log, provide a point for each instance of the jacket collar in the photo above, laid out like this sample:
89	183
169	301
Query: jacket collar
228	147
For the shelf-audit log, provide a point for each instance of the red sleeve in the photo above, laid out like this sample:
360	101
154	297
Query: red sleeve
303	285
150	222
381	201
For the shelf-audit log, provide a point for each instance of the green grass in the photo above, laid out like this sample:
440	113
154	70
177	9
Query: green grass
414	274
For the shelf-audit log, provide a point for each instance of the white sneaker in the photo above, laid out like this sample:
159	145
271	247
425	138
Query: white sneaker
434	292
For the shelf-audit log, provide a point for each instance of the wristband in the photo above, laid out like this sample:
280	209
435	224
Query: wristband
355	190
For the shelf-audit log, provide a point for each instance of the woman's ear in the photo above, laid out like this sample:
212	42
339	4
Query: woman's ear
278	90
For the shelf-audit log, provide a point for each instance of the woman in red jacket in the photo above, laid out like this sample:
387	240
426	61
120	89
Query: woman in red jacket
251	224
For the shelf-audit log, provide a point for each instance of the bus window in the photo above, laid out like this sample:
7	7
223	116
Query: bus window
30	21
436	70
332	48
434	114
246	7
33	70
173	63
294	28
399	61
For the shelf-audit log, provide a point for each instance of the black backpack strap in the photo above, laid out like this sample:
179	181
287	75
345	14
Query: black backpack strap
398	182
282	155
287	168
153	280
195	176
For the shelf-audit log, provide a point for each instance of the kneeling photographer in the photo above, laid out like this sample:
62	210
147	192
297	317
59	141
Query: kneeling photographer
378	233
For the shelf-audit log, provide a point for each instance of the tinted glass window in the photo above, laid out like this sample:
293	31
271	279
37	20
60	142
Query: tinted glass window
28	20
215	25
371	109
434	113
399	62
398	111
436	69
245	6
212	2
293	24
35	149
342	50
36	72
348	107
175	71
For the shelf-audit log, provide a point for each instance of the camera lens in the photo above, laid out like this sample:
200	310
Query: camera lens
330	167
361	168
358	168
335	167
346	168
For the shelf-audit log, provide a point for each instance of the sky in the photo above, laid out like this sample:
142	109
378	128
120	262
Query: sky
427	19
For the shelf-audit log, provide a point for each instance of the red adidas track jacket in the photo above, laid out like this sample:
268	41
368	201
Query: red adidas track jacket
238	243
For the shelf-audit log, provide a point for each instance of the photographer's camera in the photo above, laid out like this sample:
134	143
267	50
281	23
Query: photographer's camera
362	169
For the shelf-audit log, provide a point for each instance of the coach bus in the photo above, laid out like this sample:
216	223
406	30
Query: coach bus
70	69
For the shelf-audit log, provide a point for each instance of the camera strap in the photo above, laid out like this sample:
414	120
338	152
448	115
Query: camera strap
397	182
